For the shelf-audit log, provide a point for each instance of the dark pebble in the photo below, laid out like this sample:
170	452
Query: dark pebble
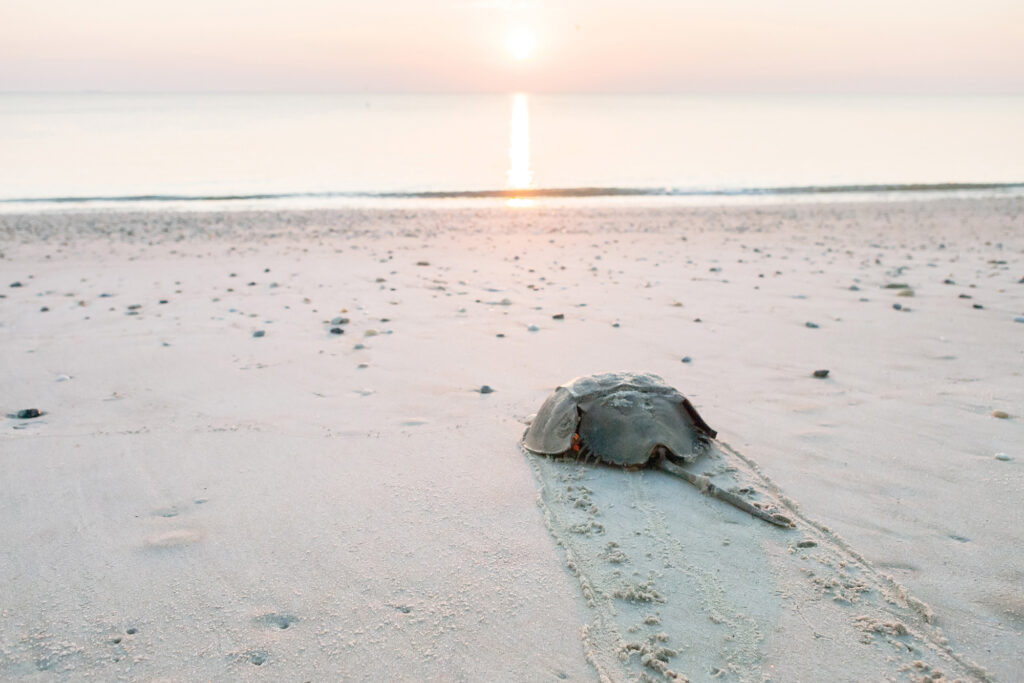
15	284
965	296
811	325
339	321
486	389
615	324
947	281
697	320
162	301
558	316
500	335
978	306
854	288
337	330
821	373
28	413
134	307
686	359
44	309
806	544
258	333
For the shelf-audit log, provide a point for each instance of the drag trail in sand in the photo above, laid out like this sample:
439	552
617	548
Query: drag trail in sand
683	587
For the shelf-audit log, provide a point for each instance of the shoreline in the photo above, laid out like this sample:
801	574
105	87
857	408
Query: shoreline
634	198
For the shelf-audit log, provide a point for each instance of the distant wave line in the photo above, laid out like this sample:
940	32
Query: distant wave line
532	193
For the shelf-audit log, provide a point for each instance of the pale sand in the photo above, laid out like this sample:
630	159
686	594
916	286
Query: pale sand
199	503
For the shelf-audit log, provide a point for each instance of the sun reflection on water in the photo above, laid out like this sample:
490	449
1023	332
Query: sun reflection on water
520	177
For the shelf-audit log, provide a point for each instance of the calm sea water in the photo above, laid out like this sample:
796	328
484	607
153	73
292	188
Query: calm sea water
315	148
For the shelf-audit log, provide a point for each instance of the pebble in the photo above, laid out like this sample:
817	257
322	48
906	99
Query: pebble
811	325
339	321
806	544
1004	457
854	288
28	414
337	330
687	359
371	333
258	333
615	324
423	263
44	309
15	284
63	378
558	316
821	374
533	328
947	281
979	306
1019	319
486	389
358	347
898	307
500	335
1001	414
162	301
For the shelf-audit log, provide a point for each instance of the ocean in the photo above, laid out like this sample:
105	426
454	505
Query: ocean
98	149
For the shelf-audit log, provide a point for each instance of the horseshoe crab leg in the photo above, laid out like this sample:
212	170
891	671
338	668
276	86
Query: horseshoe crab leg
704	485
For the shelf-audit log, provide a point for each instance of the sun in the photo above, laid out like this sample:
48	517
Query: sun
521	42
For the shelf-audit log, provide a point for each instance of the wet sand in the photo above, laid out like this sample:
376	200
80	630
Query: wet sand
199	502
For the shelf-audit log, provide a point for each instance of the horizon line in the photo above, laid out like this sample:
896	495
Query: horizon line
617	93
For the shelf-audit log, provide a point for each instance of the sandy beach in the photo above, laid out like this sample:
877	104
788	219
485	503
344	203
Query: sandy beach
337	499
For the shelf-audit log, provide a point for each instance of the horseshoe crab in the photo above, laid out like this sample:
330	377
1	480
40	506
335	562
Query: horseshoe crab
631	420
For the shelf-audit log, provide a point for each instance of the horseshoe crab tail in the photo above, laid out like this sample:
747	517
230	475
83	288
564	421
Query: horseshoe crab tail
704	485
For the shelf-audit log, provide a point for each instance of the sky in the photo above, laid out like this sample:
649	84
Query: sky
610	46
